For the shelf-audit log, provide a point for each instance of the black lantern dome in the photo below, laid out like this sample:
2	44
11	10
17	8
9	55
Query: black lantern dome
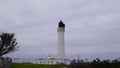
61	24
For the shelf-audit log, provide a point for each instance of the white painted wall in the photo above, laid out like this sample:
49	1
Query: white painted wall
46	62
61	47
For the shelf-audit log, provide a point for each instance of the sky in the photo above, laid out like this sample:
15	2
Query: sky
92	27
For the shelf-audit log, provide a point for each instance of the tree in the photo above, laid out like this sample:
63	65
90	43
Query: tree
7	43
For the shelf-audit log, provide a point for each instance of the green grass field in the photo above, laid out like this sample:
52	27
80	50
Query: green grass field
26	65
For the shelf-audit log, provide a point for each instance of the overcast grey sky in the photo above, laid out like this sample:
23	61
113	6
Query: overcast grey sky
92	26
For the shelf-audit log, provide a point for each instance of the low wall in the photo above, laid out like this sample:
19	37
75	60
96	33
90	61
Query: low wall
5	62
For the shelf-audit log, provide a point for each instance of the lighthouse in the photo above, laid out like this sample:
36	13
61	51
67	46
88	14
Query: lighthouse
60	40
60	49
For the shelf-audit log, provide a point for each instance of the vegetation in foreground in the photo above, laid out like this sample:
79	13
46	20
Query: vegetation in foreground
29	65
97	63
7	43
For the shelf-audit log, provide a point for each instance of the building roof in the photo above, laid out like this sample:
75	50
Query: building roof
61	24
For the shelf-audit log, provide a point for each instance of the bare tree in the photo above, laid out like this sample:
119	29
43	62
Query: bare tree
7	43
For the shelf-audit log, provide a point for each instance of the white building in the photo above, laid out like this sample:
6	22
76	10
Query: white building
52	61
46	61
60	59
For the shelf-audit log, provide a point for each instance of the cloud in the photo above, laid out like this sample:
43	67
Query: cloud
92	26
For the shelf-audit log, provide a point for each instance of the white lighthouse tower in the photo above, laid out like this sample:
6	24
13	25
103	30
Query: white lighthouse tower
60	41
60	49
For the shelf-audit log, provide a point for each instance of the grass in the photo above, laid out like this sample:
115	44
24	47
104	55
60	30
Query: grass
28	65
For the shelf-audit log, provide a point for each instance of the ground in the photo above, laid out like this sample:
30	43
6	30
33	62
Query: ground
29	65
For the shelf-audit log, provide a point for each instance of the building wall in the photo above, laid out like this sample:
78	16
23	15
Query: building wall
46	62
55	61
60	42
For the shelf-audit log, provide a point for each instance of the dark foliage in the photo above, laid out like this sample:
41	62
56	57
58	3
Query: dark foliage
7	43
97	63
